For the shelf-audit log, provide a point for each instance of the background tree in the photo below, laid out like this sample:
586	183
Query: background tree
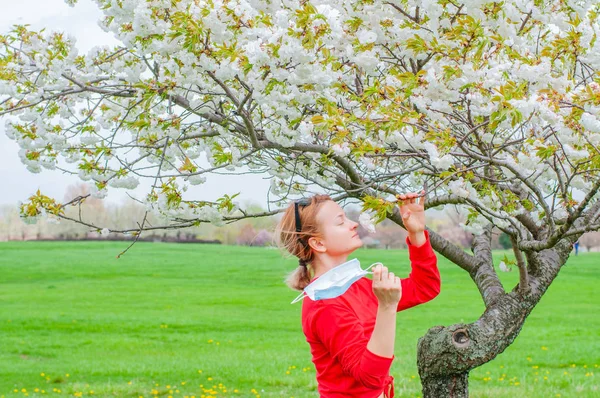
493	106
389	236
246	236
590	240
454	230
504	241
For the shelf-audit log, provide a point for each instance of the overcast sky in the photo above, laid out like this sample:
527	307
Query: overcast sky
82	22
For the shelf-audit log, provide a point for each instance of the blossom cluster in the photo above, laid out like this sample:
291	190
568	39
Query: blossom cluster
468	97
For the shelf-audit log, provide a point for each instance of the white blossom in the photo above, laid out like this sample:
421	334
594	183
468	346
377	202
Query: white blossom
367	220
503	267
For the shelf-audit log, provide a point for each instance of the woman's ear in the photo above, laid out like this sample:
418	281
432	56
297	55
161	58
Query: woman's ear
317	244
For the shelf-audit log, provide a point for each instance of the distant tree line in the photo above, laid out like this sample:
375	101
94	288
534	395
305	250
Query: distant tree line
249	232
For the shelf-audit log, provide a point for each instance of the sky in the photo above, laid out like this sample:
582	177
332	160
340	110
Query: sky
17	184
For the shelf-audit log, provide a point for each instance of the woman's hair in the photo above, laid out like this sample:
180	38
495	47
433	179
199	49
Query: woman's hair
296	243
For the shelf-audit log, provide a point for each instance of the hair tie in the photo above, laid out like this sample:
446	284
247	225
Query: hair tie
302	263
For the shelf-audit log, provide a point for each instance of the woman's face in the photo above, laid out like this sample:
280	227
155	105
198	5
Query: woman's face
339	234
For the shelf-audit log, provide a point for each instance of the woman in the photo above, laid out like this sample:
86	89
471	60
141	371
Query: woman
351	336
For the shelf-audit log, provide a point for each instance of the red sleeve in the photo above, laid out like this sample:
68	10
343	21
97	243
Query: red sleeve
423	283
340	331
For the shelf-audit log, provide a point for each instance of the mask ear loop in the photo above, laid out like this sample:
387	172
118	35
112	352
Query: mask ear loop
299	298
370	266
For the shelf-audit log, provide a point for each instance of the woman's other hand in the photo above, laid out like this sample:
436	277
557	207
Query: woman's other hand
387	287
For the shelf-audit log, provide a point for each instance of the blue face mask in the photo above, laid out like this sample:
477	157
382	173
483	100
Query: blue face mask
334	282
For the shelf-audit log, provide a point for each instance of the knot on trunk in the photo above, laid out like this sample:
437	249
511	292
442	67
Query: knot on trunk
460	338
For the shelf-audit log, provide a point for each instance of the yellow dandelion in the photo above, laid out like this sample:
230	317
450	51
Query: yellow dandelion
42	374
535	366
200	371
67	375
517	383
544	348
529	359
209	378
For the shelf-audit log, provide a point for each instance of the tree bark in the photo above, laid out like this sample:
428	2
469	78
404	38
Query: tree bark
446	355
451	386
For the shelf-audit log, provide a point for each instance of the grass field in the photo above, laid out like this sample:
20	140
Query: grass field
208	320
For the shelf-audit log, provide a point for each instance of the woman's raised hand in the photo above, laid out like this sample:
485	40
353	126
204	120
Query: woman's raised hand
412	210
386	286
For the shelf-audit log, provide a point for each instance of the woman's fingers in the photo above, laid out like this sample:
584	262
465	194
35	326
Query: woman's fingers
377	273
384	273
412	197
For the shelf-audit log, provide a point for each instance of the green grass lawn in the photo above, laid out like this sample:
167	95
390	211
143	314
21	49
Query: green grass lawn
208	320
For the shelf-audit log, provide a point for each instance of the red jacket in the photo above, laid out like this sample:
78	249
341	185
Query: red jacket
339	329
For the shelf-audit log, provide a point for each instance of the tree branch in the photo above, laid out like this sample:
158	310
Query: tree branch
483	273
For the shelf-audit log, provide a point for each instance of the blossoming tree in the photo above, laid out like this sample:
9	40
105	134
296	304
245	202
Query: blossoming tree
494	106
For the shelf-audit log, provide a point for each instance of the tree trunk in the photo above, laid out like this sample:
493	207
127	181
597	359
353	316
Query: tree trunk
446	355
451	386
